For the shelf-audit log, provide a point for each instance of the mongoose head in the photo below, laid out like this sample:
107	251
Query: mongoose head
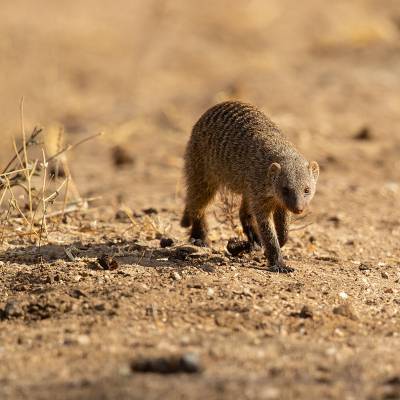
294	184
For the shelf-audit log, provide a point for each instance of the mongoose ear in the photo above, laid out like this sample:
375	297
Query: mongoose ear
314	168
274	170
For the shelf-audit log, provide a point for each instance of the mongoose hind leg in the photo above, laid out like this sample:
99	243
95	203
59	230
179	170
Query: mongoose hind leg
186	221
282	221
198	197
262	212
248	223
198	235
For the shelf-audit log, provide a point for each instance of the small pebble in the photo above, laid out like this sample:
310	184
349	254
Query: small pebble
384	275
217	259
83	340
176	276
363	267
120	156
77	293
343	295
345	310
306	312
150	211
363	134
207	267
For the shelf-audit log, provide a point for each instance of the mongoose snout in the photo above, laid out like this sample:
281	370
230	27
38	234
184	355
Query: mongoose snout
234	145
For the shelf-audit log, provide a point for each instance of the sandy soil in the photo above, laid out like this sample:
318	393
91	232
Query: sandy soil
143	72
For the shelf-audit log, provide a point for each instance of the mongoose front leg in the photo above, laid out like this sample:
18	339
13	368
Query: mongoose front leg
269	239
247	222
282	221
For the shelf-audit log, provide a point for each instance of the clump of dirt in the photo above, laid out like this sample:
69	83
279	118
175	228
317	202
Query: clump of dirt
107	262
237	247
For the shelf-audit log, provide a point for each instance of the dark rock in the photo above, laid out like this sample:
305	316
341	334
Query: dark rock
335	219
306	312
150	211
120	156
166	242
395	380
77	293
187	363
363	134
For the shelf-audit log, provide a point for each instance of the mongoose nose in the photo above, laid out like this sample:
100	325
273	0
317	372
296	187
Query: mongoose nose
298	210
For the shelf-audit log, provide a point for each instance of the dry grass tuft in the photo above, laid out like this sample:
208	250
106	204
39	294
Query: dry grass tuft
228	210
29	193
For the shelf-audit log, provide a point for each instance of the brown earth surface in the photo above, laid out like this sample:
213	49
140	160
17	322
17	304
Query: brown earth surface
142	72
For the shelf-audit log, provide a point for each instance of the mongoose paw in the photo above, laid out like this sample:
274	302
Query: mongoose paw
281	268
199	242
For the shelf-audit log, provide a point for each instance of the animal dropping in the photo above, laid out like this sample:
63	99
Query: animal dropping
234	145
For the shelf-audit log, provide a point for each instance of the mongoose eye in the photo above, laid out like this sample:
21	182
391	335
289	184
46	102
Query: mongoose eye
307	190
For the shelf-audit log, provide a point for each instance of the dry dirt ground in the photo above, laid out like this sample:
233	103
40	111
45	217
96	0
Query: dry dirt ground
143	71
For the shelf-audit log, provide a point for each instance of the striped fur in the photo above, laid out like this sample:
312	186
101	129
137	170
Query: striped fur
235	145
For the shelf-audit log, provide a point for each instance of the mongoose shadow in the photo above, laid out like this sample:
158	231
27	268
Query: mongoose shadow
234	145
124	252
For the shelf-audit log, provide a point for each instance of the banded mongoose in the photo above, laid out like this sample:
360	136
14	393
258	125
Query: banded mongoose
236	146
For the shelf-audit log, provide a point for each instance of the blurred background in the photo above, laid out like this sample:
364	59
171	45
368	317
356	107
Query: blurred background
144	71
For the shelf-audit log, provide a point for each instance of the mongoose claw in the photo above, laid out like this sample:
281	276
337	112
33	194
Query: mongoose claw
280	268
